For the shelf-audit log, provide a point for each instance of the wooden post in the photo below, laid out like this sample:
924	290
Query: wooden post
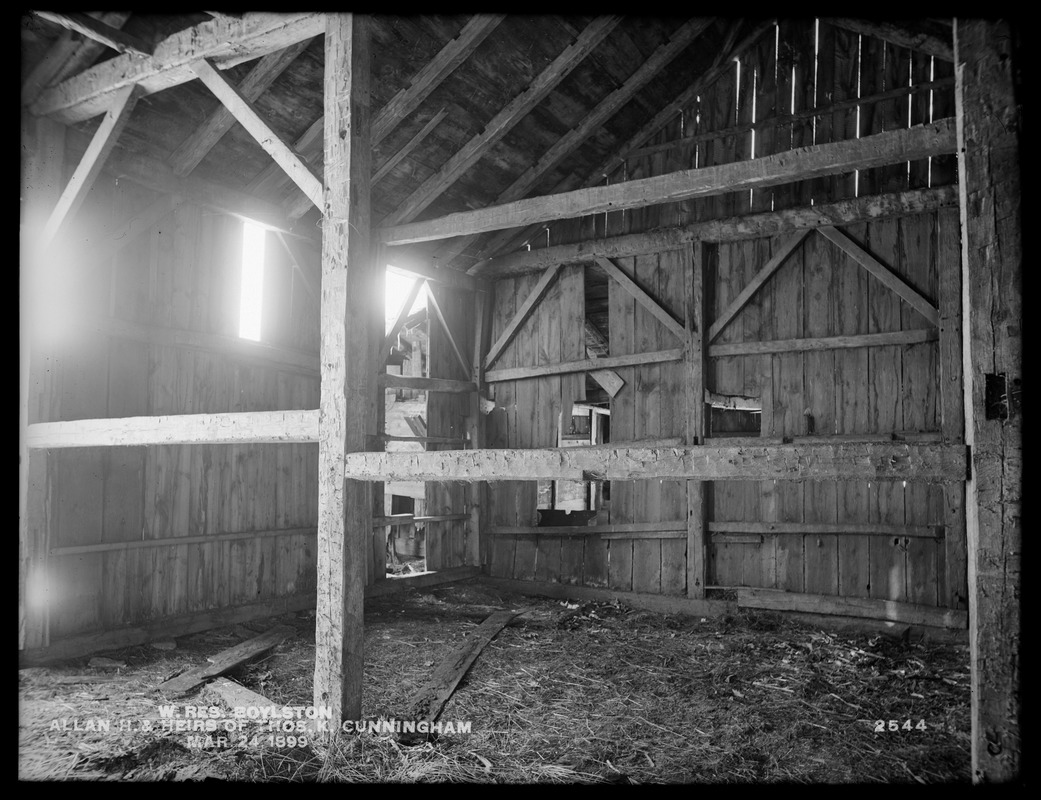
378	539
43	144
475	491
344	512
988	125
696	427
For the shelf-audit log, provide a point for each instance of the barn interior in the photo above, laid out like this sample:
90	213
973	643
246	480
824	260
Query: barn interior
701	316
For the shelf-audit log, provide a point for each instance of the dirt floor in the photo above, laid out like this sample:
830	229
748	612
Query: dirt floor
596	692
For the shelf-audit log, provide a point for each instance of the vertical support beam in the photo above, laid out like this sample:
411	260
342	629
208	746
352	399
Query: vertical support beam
988	126
344	511
43	148
694	361
378	537
476	489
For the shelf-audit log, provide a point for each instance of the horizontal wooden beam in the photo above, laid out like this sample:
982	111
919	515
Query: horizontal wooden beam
398	520
176	541
227	346
394	584
821	528
910	613
926	463
824	343
884	274
243	110
918	142
630	530
228	41
100	32
389	381
589	365
749	226
245	427
422	268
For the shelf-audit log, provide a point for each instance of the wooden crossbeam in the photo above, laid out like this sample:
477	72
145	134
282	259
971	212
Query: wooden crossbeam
644	299
406	308
504	121
748	226
532	300
403	262
446	385
896	34
97	30
927	463
870	608
412	96
448	333
566	367
808	344
90	165
253	427
67	56
784	250
592	122
883	273
226	41
917	142
194	149
242	109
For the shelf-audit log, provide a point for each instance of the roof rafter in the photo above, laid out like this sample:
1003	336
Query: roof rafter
574	138
407	100
503	122
95	29
897	34
506	238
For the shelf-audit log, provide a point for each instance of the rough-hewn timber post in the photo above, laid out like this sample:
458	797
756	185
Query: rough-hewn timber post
344	512
694	367
989	179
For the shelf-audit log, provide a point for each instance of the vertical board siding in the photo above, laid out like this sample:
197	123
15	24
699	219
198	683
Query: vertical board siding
183	273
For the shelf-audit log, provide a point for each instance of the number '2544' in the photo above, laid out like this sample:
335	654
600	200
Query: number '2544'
882	726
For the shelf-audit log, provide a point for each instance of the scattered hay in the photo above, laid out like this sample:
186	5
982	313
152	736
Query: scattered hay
567	693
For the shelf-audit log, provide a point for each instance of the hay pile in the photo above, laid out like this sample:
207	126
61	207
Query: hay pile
595	692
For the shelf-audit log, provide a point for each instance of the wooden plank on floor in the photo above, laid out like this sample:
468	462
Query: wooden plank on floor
226	660
432	697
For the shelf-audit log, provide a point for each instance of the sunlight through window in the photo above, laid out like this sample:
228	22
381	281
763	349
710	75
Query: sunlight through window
252	296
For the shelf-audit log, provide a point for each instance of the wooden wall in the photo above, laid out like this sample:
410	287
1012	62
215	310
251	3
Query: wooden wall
183	273
818	292
446	416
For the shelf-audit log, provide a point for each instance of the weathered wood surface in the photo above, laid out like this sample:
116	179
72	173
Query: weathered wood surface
519	373
431	698
100	32
909	613
931	463
348	273
860	209
228	41
254	427
226	660
817	343
988	97
450	386
808	162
